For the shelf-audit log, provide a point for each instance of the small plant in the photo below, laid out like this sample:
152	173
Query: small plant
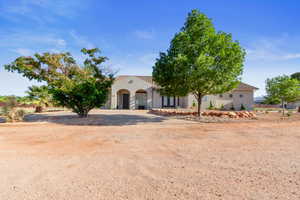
232	107
10	111
194	104
222	107
211	106
243	107
289	113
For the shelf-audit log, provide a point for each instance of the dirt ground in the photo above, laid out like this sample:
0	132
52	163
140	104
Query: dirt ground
136	155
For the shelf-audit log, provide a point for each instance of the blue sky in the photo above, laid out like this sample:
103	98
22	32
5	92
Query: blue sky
132	33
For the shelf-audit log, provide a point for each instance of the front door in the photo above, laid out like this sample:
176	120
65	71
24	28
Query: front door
125	101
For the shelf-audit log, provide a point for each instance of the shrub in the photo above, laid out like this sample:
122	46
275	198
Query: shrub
211	106
194	104
232	107
222	107
40	97
289	113
243	107
10	111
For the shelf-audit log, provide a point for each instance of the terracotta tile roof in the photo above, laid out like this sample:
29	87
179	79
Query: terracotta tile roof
148	79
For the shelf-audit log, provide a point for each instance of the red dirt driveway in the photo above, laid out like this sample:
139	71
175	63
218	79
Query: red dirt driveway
135	155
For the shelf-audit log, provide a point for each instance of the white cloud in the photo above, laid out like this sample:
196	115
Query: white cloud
23	51
148	59
145	35
41	11
22	39
133	64
81	40
272	50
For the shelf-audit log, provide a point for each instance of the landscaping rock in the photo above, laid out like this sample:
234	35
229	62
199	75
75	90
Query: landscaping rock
213	113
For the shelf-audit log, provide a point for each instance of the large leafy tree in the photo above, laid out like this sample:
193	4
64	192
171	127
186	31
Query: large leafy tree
283	89
200	61
80	88
296	76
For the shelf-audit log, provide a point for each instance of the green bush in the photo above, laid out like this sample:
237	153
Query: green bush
222	107
211	106
232	107
243	107
289	113
194	104
10	111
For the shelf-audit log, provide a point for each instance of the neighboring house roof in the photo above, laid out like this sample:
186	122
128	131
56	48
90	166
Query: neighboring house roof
148	79
244	86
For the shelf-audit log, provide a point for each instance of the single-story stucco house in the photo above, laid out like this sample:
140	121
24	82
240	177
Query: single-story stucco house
140	92
293	105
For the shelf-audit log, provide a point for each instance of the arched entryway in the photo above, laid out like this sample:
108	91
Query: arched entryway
123	99
141	99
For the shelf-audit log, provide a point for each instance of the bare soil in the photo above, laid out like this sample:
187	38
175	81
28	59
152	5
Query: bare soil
136	155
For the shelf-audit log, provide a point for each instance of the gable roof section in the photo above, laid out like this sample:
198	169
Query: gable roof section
148	79
244	86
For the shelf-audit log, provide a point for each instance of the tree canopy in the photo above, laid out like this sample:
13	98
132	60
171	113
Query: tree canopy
80	88
200	60
283	89
296	76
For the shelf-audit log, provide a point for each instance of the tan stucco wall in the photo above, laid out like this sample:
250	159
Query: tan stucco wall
247	100
132	84
154	99
293	105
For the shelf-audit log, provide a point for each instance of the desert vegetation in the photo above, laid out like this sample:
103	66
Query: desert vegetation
79	88
10	110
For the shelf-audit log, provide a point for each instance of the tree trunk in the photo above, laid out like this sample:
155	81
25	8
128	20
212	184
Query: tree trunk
38	109
83	113
282	105
199	99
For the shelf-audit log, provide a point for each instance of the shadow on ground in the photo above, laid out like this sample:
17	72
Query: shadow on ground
2	120
94	119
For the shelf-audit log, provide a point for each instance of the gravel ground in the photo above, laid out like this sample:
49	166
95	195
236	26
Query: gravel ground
143	156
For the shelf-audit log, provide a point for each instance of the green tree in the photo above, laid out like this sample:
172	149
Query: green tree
271	100
40	95
200	61
296	76
3	99
283	89
80	88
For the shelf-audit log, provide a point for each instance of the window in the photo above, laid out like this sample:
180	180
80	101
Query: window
168	101
171	101
241	96
205	98
165	101
221	95
230	95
